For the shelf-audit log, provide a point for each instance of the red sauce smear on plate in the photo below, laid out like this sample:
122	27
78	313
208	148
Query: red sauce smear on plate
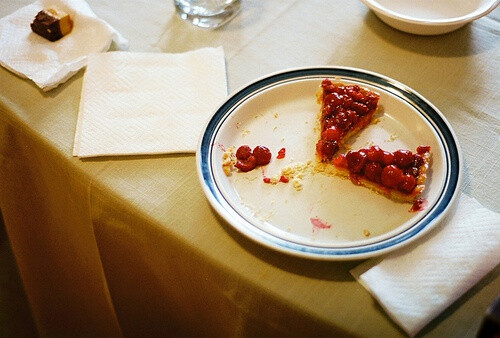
419	205
221	146
319	224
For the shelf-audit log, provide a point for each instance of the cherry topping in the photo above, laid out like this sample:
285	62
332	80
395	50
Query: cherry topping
342	121
423	149
371	101
262	155
356	160
327	109
396	170
343	106
347	102
328	86
373	171
248	159
414	171
331	134
375	154
353	92
352	116
333	99
243	152
407	184
327	148
248	164
340	161
391	176
387	158
360	108
403	158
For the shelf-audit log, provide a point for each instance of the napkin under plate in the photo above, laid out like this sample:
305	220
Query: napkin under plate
415	284
148	103
47	63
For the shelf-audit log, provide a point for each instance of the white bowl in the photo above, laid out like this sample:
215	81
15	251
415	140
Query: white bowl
430	17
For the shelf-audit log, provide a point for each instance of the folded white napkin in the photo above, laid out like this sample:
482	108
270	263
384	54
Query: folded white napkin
47	63
148	103
415	284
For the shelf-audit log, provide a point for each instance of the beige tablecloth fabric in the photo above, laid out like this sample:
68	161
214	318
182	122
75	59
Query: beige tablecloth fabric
130	246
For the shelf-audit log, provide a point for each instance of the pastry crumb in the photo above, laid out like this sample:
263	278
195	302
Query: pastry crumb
293	173
297	184
366	232
296	173
228	160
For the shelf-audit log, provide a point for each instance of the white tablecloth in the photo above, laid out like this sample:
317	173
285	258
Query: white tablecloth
130	246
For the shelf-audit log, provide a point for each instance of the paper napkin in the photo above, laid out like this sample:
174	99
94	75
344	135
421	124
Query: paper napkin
415	284
148	103
47	63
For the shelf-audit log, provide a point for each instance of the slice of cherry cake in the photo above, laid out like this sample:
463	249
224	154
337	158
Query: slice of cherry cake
400	175
345	110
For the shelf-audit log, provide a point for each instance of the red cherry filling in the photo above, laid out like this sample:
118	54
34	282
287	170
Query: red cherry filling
375	154
396	170
262	155
243	152
356	161
408	183
343	106
387	158
391	176
281	153
373	171
331	134
248	159
334	99
247	164
423	149
403	158
359	108
326	148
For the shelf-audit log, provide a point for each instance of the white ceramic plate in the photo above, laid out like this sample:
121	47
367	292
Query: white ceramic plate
330	217
430	17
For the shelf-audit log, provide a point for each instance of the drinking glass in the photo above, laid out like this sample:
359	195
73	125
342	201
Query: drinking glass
207	13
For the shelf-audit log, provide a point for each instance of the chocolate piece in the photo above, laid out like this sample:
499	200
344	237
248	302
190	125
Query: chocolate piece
52	24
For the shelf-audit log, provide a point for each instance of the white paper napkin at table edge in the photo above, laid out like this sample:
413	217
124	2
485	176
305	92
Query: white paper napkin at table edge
95	146
63	71
415	284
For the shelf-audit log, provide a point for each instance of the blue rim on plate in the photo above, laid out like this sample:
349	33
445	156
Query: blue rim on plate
452	164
